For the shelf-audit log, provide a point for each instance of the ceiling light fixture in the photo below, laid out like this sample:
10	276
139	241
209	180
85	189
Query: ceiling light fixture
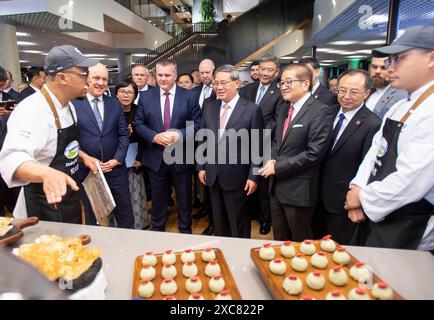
26	43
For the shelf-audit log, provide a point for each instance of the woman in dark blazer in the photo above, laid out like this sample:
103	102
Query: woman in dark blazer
126	92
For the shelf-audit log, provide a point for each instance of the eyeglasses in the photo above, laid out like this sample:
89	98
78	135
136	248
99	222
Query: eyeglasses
288	82
126	92
222	84
395	59
343	92
83	74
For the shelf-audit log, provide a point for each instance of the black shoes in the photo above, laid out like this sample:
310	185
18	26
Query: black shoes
209	231
265	228
199	214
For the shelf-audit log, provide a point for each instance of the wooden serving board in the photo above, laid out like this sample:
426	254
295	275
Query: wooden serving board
182	293
16	233
274	282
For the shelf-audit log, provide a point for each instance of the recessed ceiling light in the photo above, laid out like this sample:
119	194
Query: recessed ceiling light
32	51
24	61
343	43
26	43
374	42
89	55
22	34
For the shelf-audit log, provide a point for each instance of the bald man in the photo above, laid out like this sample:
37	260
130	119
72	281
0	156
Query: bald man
104	135
206	72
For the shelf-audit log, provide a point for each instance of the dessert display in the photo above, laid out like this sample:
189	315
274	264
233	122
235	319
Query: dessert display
307	247
184	275
341	256
267	252
278	266
168	287
335	295
216	283
358	294
382	291
299	263
208	254
318	269
319	260
224	295
148	272
146	289
150	259
315	280
193	284
327	244
189	269
287	250
292	285
212	268
63	259
188	256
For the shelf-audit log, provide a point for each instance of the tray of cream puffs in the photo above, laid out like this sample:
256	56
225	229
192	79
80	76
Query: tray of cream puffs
317	270
187	275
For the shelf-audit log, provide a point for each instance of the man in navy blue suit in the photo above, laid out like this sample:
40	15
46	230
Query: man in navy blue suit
160	110
104	136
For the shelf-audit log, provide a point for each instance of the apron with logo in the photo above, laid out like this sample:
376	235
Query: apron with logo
403	228
65	160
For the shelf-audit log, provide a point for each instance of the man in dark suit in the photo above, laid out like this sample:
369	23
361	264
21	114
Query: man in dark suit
354	128
36	78
8	93
230	183
302	136
104	136
318	90
266	94
206	73
161	121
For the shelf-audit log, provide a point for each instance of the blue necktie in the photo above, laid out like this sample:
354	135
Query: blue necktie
260	95
336	129
97	113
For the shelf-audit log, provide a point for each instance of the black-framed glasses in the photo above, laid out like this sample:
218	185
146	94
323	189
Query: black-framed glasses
289	82
83	74
395	59
126	92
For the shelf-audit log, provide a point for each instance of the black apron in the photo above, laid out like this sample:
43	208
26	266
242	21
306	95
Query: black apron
403	228
65	160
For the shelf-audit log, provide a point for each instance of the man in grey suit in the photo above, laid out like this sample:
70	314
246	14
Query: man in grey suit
302	137
383	95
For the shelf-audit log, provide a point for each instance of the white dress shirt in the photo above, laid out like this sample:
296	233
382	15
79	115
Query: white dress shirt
145	88
414	178
315	87
203	96
32	136
163	101
375	97
100	104
299	104
232	105
349	115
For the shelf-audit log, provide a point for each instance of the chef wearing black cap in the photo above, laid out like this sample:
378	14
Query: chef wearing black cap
394	186
41	149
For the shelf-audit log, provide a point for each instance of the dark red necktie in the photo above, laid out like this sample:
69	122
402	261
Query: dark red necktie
287	120
166	117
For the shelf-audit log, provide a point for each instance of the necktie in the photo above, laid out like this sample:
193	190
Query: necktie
337	129
287	121
166	118
223	118
97	113
260	95
205	92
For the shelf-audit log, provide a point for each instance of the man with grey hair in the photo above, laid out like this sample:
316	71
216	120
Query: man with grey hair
206	73
266	94
231	185
140	75
160	111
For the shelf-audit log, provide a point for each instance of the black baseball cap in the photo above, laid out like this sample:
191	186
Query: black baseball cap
64	57
412	38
